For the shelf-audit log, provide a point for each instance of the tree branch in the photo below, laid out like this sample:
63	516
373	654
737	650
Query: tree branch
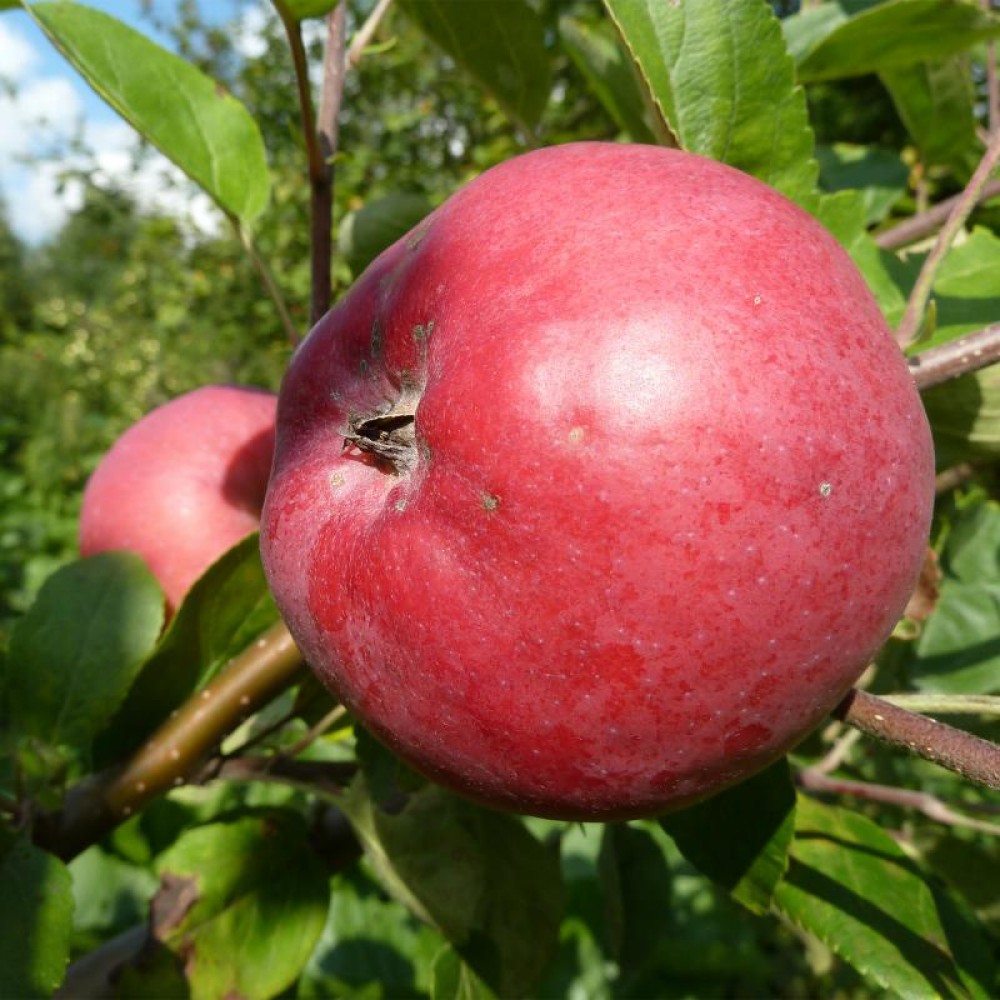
327	139
931	806
961	752
992	83
913	317
958	357
916	227
99	804
318	153
365	33
319	776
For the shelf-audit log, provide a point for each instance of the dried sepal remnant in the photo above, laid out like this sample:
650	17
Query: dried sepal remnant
388	437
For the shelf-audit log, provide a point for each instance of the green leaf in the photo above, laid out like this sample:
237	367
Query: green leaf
725	84
967	287
454	980
36	919
606	68
958	651
244	902
850	885
805	30
477	876
879	175
638	890
228	607
965	412
76	652
936	103
971	866
370	945
300	10
500	43
366	232
887	36
844	214
109	896
740	837
186	115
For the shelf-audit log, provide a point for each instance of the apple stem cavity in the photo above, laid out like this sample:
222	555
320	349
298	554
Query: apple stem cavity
388	437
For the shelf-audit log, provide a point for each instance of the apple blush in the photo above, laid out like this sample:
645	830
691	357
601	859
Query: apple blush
601	487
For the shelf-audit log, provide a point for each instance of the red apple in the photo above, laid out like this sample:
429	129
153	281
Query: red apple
183	484
601	487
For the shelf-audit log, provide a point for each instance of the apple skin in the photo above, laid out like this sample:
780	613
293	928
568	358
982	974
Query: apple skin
666	492
183	484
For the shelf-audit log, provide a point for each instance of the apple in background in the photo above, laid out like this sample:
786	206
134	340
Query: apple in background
184	484
601	487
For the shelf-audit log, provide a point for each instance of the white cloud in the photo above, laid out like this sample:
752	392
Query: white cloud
40	116
248	32
155	183
40	112
39	199
35	204
17	55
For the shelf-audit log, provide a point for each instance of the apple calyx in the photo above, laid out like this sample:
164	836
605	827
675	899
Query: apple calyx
387	436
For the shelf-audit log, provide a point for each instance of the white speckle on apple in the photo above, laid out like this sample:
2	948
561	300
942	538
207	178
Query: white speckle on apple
825	489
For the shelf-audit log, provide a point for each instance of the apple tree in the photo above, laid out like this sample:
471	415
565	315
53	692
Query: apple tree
185	810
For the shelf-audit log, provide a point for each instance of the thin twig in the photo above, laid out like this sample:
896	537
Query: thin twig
268	280
923	224
992	84
327	139
961	752
257	738
320	188
957	357
838	752
953	477
931	806
323	777
99	804
947	704
314	733
363	36
94	974
913	316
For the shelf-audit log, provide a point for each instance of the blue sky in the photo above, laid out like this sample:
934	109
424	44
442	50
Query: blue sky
48	104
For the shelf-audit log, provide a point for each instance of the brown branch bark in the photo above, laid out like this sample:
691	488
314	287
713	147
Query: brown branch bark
929	805
976	759
318	151
992	83
98	804
924	224
959	357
